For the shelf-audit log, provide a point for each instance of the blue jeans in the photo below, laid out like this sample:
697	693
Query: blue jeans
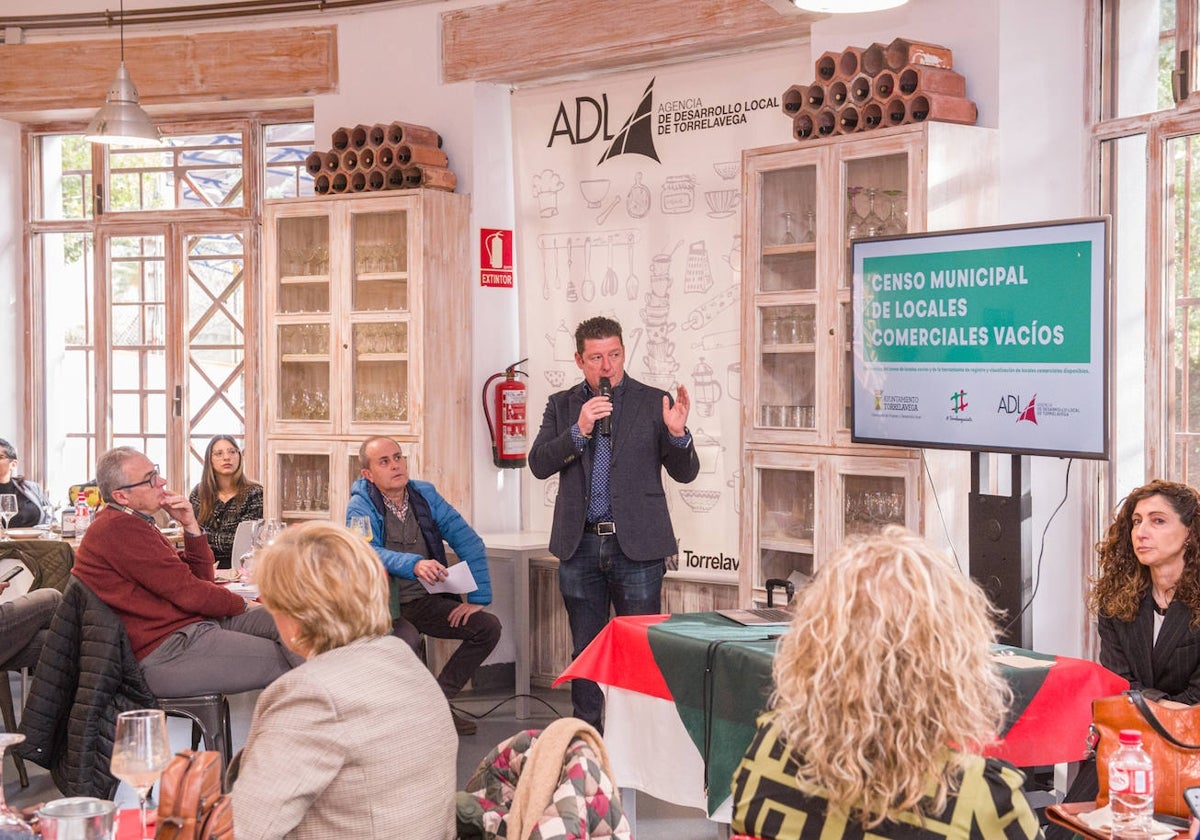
599	577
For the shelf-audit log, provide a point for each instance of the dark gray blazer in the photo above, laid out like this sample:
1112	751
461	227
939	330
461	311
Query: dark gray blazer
1168	669
641	449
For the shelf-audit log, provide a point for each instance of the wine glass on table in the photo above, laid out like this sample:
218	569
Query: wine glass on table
140	753
8	509
8	817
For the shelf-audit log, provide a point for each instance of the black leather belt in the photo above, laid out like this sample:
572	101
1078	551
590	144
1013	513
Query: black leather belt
603	529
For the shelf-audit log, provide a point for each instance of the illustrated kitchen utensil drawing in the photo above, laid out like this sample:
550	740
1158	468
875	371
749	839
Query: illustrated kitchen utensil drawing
631	282
588	288
603	217
609	287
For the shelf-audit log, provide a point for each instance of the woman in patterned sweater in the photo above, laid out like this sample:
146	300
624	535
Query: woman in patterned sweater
884	693
225	497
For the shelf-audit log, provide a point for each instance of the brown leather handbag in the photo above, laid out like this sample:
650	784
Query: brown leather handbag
1170	736
190	803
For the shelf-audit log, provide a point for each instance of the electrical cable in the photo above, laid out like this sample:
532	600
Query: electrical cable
941	514
1037	570
459	711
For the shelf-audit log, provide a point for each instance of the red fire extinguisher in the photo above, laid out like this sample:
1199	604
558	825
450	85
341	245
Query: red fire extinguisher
508	433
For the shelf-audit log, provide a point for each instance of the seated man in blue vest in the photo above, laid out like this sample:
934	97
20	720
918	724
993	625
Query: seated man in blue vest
409	521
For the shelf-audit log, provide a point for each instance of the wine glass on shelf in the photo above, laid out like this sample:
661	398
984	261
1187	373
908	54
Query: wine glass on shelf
892	224
789	236
140	753
854	222
8	509
872	222
8	817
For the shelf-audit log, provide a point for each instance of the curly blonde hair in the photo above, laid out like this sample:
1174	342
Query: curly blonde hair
327	579
884	681
1118	589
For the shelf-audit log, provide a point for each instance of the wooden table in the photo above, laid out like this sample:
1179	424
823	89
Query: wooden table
1066	814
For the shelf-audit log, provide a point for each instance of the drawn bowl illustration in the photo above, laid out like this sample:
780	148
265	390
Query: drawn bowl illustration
555	378
594	191
700	501
728	168
722	203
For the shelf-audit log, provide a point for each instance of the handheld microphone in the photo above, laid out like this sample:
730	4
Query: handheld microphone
605	424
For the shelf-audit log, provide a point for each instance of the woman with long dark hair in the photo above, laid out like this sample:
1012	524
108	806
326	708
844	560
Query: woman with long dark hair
224	497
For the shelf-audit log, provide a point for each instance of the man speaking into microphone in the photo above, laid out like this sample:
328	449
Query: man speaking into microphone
609	439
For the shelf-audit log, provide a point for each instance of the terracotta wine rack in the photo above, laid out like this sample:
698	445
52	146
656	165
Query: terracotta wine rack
383	156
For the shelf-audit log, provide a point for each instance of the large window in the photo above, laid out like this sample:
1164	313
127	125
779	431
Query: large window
143	291
1148	144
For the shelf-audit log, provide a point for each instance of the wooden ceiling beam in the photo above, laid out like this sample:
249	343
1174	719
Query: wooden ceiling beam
539	40
252	64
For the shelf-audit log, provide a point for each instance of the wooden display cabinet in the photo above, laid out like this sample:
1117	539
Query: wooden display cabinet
368	332
806	484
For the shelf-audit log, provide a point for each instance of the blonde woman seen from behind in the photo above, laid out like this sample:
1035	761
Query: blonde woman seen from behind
357	741
884	693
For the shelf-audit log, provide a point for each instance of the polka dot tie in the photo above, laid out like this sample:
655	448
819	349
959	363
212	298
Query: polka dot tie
600	506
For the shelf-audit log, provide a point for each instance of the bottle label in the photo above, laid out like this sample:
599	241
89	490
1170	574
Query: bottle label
1136	782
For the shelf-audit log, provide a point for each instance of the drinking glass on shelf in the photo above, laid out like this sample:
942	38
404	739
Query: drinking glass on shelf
140	753
854	222
893	224
810	226
789	236
872	222
8	817
361	525
8	509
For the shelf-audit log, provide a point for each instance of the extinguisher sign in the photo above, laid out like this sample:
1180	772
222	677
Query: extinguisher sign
496	257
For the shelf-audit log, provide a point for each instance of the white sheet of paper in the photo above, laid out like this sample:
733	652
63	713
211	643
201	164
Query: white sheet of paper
459	581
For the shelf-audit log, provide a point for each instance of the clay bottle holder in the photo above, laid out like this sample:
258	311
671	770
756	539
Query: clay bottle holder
358	136
322	184
358	181
848	119
793	99
384	156
341	139
933	106
407	154
826	122
849	62
333	162
376	178
860	89
339	183
814	97
349	159
803	125
436	177
874	59
366	157
872	116
838	94
376	135
901	51
915	79
895	112
884	85
402	132
314	163
826	66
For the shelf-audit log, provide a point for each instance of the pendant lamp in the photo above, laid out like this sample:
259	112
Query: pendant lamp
846	7
121	120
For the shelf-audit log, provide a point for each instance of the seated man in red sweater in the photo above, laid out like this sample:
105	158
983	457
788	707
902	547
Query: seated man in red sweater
191	635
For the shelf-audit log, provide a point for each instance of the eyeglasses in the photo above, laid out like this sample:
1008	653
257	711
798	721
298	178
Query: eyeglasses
150	479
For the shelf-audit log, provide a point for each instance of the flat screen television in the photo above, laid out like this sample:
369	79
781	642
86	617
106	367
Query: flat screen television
992	339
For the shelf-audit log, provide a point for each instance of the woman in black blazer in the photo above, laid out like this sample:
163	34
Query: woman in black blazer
1147	604
1147	595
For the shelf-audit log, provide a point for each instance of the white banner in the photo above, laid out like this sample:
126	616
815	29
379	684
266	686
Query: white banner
629	205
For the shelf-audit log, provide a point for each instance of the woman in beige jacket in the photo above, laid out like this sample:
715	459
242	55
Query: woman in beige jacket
358	741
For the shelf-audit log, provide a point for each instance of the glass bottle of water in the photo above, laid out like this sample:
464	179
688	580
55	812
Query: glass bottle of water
1131	788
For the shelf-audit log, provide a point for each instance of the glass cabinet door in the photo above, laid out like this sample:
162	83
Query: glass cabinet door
304	375
380	371
787	378
302	263
301	481
875	492
784	518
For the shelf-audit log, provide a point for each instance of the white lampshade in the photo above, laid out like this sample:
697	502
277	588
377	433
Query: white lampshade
121	120
846	7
